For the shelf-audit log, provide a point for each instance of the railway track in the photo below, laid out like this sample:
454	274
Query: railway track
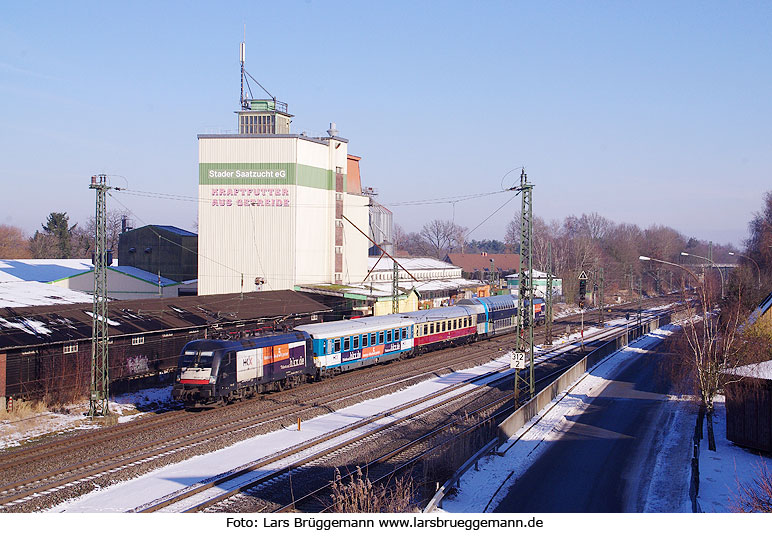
270	479
63	472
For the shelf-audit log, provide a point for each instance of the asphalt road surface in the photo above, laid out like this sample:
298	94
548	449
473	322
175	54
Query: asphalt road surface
602	462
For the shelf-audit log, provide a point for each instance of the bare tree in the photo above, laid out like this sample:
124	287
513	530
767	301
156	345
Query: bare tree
114	227
759	242
43	245
441	236
13	242
595	226
711	337
512	234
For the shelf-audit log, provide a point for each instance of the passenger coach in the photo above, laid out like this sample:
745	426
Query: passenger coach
344	345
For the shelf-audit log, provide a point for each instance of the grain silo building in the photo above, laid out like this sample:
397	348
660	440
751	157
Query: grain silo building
274	207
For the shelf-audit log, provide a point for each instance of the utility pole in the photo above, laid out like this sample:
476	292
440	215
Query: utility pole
99	393
640	298
601	299
582	296
524	343
548	300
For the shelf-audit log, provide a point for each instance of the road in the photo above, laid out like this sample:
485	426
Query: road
602	462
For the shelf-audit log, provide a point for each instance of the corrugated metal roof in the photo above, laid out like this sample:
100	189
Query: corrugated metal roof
31	326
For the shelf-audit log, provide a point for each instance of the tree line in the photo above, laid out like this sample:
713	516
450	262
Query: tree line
575	244
57	238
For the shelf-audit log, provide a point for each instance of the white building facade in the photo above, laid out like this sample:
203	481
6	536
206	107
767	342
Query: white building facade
271	214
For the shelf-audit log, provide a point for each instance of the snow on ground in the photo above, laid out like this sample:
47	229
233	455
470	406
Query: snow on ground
481	491
126	496
132	405
18	431
723	470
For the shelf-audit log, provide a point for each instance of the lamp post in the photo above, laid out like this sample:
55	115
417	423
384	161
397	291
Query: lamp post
694	276
751	259
714	265
649	259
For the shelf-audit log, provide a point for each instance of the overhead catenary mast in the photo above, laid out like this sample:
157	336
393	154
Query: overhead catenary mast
100	381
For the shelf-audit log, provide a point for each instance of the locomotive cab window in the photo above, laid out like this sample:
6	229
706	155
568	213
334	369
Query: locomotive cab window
194	358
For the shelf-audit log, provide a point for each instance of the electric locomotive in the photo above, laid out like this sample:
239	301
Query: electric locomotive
220	371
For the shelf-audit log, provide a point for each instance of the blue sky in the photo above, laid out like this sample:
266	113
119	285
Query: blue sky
649	112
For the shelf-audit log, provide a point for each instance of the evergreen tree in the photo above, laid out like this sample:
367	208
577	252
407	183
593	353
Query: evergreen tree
58	228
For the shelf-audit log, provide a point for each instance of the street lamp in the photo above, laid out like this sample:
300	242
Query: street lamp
648	259
714	265
751	259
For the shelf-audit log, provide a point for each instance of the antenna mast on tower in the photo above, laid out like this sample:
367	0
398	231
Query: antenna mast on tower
242	57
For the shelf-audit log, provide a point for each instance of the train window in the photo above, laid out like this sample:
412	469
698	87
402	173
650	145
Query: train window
404	333
337	345
356	343
346	343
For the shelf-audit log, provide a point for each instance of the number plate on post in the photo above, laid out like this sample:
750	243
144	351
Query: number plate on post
517	360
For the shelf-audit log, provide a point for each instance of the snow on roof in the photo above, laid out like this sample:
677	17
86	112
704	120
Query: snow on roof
411	264
384	289
19	294
42	270
761	370
449	284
